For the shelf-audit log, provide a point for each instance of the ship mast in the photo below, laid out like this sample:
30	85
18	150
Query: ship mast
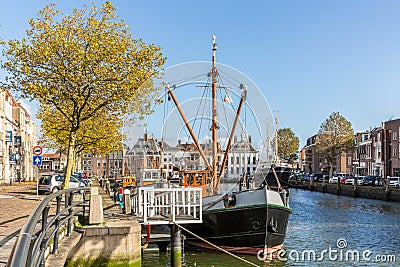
214	125
276	137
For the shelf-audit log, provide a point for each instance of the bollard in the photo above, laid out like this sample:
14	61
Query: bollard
127	201
176	247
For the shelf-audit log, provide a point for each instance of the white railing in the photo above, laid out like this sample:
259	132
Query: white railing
168	205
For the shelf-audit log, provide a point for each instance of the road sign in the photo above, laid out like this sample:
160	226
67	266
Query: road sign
37	160
37	150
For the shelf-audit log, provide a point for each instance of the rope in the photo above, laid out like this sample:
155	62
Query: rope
215	246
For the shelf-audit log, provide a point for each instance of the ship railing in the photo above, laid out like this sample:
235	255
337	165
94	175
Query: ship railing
168	205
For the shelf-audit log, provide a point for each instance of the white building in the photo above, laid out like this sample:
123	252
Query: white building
243	158
17	139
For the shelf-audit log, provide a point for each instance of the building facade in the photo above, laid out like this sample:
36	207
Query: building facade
376	152
391	147
17	139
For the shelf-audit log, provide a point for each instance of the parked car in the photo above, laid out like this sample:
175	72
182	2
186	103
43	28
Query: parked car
318	177
372	180
394	181
51	183
350	181
341	176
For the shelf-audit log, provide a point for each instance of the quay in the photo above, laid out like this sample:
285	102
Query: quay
370	192
114	235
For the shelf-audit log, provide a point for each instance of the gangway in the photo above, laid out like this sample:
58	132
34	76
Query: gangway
158	206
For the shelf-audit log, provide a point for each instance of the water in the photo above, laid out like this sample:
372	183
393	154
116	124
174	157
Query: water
343	226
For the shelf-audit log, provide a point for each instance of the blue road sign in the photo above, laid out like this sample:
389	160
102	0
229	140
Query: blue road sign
37	160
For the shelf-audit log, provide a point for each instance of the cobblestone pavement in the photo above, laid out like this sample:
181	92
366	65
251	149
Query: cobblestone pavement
18	201
16	204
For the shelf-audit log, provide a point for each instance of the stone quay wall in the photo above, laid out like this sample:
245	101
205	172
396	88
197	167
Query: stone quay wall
380	193
113	244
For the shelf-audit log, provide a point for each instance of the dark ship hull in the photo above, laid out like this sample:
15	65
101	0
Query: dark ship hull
244	221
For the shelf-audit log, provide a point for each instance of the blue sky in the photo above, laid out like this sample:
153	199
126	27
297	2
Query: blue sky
310	58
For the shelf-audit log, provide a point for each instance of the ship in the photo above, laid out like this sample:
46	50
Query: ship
249	219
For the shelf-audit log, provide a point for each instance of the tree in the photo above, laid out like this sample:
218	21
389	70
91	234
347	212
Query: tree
83	65
334	137
97	135
288	144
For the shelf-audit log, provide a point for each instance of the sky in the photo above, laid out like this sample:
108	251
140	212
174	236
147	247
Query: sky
309	58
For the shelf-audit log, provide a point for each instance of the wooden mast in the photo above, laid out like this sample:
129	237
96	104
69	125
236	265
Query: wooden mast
189	128
214	125
228	146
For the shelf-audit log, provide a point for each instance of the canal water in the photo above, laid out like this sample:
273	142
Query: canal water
323	230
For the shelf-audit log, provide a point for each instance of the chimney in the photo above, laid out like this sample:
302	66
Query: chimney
179	142
250	139
146	137
235	139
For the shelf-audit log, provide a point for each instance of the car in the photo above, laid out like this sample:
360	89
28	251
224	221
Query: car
324	177
350	181
341	176
372	180
317	177
51	183
394	181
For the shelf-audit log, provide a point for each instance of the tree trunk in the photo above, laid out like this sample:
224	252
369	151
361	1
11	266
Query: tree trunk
70	160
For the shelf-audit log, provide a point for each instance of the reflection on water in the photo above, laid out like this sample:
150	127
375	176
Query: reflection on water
322	222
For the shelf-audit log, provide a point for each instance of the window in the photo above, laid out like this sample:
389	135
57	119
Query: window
237	162
349	161
394	136
395	152
254	160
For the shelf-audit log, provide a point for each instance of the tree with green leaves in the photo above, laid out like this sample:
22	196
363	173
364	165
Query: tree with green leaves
335	136
99	135
288	145
84	65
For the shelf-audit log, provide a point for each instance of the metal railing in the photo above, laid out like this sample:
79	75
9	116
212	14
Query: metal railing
168	205
44	226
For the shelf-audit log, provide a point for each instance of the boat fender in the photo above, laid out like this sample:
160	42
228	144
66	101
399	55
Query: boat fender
229	200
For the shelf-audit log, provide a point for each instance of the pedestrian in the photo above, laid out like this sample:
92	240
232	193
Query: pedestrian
373	181
120	197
